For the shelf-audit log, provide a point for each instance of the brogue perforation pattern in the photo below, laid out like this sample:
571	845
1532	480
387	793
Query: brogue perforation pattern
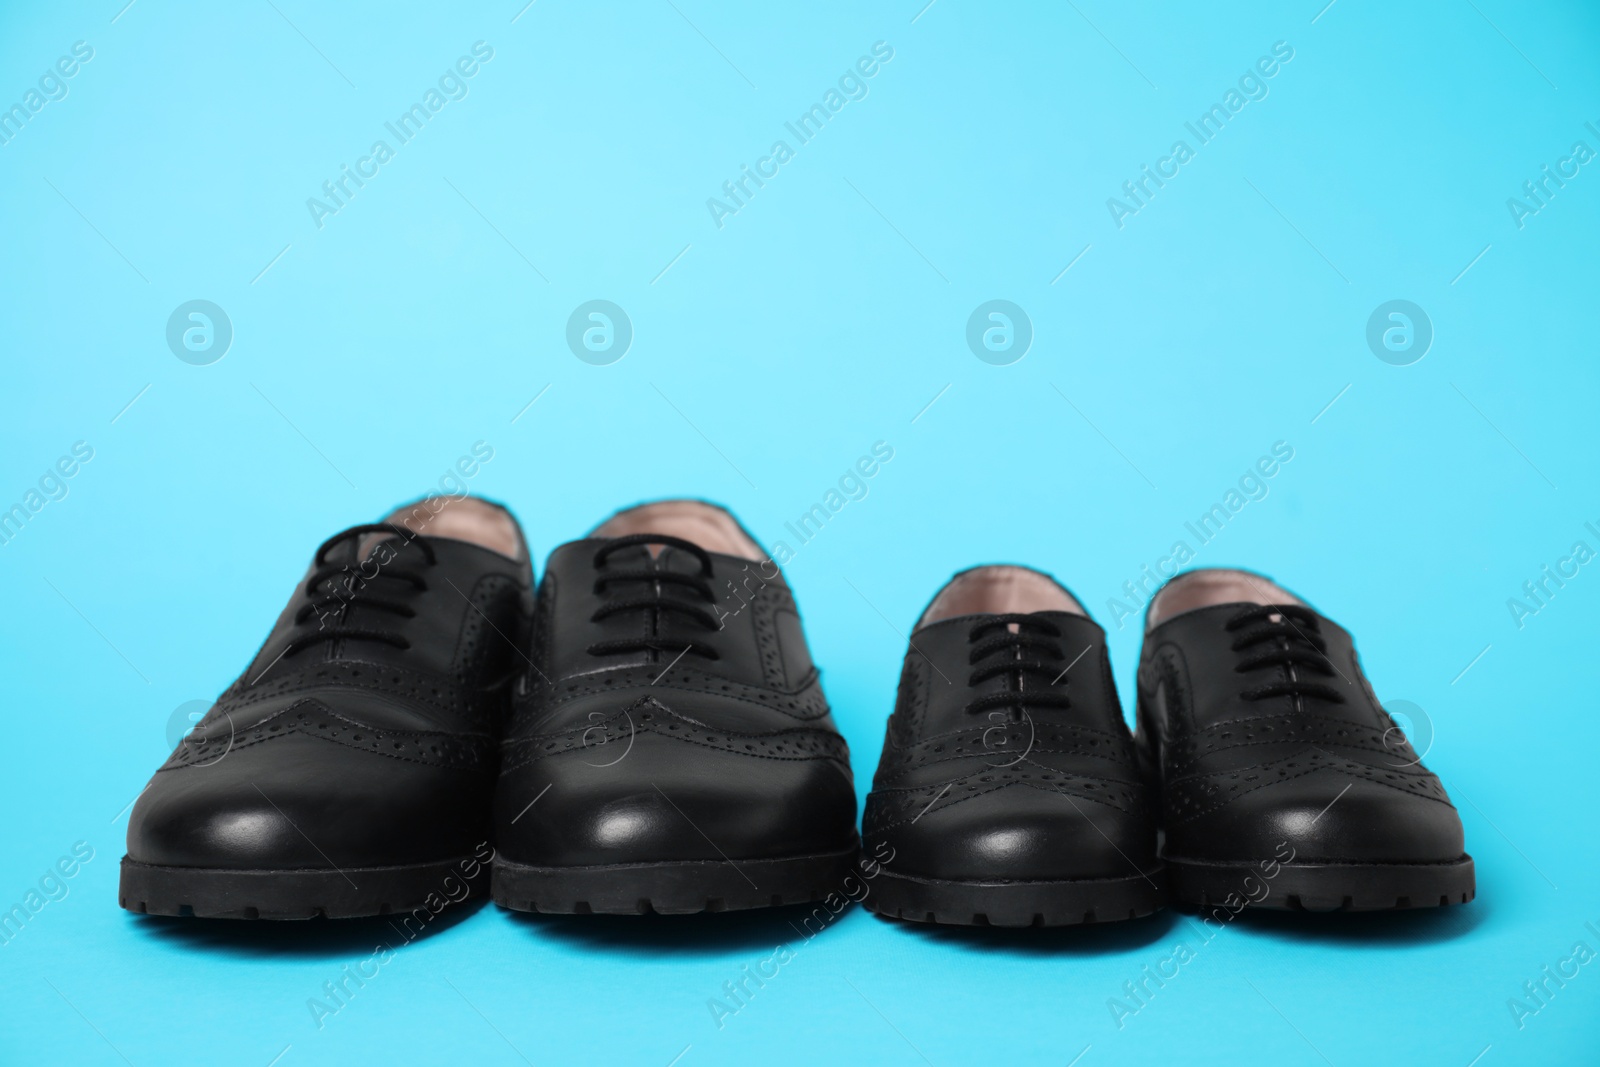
481	641
805	703
892	807
1190	798
650	716
433	748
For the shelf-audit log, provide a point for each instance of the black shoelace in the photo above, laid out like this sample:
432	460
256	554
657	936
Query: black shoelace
1293	638
326	592
1007	653
657	601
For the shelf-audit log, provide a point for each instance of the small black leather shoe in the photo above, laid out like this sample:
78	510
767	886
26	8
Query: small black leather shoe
1009	792
670	750
1284	782
350	768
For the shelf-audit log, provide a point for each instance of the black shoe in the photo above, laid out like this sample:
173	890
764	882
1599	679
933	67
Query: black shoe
349	770
1285	784
671	750
1009	792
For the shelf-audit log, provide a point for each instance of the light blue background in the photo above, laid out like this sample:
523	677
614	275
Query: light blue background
1224	316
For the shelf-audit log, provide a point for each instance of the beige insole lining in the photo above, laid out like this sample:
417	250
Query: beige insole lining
706	525
1212	586
460	518
998	590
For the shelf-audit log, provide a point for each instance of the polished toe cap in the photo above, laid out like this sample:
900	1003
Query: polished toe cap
669	800
1022	832
1326	816
302	802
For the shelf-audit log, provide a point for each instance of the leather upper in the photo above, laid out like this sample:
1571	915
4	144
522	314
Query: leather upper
335	749
1258	746
1031	791
644	735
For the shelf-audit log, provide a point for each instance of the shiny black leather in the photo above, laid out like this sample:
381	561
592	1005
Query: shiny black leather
1303	775
352	753
1034	792
661	756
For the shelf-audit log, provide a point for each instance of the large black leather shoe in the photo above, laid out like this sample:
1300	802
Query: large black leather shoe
1009	792
671	750
350	769
1284	782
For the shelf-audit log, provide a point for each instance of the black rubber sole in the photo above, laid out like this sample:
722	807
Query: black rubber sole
671	888
355	892
1323	886
1017	904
